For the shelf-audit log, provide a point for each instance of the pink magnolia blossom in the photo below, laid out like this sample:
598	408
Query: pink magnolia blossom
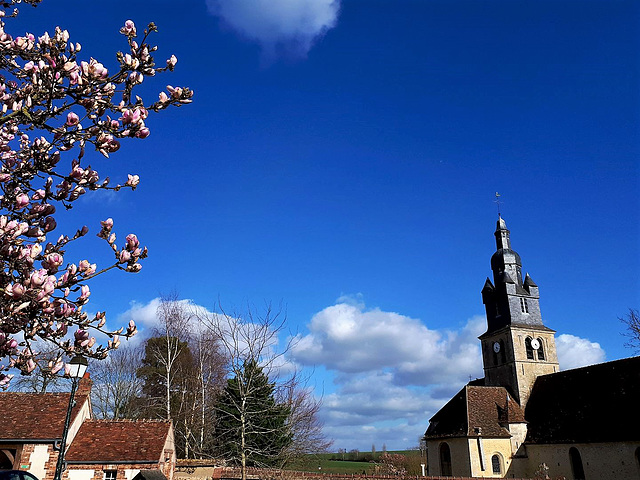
129	29
84	292
133	180
72	119
132	242
124	256
107	224
35	135
22	200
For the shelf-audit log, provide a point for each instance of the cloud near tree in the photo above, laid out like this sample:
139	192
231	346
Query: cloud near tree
288	27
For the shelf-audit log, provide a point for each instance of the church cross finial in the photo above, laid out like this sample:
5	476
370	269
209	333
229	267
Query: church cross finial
497	200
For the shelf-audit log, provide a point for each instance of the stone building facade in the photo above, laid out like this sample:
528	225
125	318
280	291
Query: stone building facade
525	412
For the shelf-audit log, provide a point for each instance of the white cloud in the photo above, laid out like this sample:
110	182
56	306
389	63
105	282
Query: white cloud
349	339
574	352
145	315
392	372
279	26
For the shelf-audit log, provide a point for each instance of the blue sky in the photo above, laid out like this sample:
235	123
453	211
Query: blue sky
342	158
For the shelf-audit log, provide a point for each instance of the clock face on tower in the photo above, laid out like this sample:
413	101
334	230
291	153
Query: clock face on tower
496	347
535	344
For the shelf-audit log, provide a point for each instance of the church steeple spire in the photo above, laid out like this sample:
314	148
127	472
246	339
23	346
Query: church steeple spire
517	346
502	234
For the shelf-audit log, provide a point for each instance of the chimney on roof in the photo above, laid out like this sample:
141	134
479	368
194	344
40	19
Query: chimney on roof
84	385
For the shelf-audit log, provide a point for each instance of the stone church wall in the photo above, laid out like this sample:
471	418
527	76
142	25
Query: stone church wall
599	460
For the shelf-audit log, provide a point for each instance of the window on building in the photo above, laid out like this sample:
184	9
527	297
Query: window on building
523	305
576	464
445	460
540	350
496	464
503	353
110	474
529	348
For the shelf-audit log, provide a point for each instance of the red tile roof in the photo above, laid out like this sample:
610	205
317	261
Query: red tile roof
118	441
490	409
35	416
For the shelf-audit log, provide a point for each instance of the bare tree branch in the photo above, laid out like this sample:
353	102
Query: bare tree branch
632	321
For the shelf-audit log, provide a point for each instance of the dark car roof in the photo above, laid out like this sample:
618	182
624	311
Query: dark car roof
17	475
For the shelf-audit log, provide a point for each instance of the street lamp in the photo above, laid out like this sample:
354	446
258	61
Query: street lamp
77	367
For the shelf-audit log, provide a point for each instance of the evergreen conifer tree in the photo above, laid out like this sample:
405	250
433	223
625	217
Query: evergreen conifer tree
251	426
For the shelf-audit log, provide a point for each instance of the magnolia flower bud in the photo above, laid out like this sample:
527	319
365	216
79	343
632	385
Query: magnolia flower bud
107	224
132	242
72	119
133	181
124	256
129	29
22	201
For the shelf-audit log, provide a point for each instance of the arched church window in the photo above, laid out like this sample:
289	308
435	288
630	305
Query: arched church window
496	464
529	348
503	355
540	350
576	464
445	460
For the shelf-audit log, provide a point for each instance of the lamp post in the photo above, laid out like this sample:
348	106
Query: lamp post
77	367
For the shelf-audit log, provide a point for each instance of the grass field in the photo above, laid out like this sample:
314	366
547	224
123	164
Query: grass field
323	463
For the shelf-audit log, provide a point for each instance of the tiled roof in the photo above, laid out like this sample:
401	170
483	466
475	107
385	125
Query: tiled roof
598	403
489	409
35	416
153	474
109	441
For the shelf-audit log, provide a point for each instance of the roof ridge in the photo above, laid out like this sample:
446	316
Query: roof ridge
129	420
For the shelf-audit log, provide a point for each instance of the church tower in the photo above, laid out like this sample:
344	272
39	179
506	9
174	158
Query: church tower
517	347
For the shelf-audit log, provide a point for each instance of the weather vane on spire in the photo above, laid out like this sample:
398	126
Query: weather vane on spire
497	200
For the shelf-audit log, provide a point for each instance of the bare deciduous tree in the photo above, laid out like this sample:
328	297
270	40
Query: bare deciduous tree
41	380
174	328
304	421
208	380
116	384
632	321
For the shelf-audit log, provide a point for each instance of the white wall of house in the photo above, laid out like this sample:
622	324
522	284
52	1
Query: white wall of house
38	460
80	474
83	414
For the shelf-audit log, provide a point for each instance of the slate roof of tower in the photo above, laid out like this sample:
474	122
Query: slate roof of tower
487	408
598	403
130	441
35	416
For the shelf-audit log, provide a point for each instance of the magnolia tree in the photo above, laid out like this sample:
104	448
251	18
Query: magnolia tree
55	103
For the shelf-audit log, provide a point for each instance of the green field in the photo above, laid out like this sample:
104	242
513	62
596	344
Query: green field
331	462
325	465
